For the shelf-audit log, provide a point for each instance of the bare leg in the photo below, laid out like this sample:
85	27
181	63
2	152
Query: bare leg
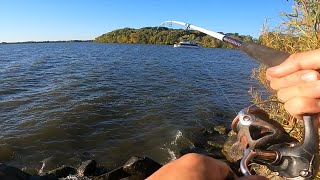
194	166
197	167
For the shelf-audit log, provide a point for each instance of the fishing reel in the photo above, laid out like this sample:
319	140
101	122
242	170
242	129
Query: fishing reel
266	142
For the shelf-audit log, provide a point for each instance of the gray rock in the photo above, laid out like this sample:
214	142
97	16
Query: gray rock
141	166
46	177
62	172
220	129
215	145
100	170
116	174
87	168
232	149
12	173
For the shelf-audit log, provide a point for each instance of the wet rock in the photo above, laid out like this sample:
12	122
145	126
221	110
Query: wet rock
232	133
220	129
141	166
12	173
116	174
100	170
209	131
63	172
46	177
87	168
215	145
232	149
210	142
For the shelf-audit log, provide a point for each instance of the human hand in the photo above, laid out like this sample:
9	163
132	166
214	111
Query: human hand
298	83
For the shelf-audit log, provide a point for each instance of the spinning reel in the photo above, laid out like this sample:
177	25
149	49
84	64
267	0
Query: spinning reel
267	143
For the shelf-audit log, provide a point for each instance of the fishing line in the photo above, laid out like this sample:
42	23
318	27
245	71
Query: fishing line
220	87
216	35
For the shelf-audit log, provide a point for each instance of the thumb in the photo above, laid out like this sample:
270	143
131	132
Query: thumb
301	61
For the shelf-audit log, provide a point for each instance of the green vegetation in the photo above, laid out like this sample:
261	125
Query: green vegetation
165	36
299	32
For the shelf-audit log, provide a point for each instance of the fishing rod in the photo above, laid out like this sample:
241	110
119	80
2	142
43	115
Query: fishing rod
263	54
264	139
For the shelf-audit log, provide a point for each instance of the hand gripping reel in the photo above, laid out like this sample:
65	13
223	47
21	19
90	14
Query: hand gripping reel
285	155
268	143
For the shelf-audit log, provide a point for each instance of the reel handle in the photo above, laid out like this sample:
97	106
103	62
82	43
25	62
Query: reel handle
296	160
310	134
299	160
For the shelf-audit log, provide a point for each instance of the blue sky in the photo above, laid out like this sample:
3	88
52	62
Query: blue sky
38	20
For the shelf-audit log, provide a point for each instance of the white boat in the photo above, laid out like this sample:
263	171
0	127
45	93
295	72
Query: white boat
187	44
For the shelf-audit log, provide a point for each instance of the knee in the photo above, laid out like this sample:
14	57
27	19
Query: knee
204	165
193	166
193	158
194	161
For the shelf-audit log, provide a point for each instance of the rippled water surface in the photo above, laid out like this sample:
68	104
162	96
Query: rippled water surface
62	101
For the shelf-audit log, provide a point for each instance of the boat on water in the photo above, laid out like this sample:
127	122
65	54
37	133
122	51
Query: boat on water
187	44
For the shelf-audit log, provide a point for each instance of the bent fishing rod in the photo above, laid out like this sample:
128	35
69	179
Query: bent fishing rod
263	54
275	149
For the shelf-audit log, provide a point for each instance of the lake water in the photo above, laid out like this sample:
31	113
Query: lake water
62	101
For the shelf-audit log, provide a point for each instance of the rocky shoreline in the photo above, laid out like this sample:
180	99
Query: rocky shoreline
213	142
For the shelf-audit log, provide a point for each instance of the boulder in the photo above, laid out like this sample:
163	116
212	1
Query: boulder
12	173
62	172
232	149
116	174
45	177
220	129
87	168
141	166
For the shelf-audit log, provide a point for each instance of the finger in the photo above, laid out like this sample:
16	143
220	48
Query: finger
294	79
300	61
309	90
299	106
252	178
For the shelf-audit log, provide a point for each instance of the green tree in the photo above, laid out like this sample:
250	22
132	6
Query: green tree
163	35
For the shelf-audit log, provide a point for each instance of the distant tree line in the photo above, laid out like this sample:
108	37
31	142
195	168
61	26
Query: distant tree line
165	36
31	42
